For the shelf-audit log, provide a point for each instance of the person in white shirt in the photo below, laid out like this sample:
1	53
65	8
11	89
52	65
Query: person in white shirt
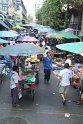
46	50
68	60
49	48
65	76
43	44
14	86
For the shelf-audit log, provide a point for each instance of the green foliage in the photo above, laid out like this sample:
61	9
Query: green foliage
55	13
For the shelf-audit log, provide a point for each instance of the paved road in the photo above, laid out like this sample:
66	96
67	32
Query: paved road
46	109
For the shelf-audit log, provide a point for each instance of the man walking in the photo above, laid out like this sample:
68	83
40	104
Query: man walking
65	77
14	85
47	67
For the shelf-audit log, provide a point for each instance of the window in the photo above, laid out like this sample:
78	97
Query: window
4	8
18	8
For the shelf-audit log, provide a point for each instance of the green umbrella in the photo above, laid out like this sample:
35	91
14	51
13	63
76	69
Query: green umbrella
76	47
54	36
80	35
63	34
68	35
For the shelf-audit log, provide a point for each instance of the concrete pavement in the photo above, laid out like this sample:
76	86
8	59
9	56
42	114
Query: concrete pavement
47	107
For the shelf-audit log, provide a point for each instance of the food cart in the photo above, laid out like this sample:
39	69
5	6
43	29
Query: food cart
27	82
29	77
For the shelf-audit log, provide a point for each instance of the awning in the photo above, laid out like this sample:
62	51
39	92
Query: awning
3	24
18	22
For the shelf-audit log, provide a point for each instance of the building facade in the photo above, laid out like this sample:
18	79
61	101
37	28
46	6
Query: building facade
14	10
20	11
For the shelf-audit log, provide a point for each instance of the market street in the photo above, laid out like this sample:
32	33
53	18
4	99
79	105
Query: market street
46	108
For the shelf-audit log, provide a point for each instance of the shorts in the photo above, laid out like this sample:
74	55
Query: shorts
63	89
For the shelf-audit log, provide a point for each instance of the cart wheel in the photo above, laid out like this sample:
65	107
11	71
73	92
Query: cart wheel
33	95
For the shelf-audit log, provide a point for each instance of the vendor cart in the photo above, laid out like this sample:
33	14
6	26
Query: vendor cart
27	83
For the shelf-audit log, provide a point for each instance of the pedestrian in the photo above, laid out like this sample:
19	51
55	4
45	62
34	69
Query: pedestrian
47	61
64	82
43	43
14	86
68	60
45	52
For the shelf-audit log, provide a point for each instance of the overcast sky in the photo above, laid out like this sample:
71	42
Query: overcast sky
30	5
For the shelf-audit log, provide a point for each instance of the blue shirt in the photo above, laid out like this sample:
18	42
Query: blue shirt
47	62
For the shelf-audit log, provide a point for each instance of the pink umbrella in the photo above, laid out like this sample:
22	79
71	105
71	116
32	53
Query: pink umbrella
27	39
81	53
13	31
69	29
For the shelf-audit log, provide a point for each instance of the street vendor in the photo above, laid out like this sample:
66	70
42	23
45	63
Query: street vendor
80	90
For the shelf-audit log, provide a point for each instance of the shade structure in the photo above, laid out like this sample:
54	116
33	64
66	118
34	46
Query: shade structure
53	36
27	39
69	29
75	47
18	27
42	28
68	35
81	35
7	34
3	41
14	31
23	49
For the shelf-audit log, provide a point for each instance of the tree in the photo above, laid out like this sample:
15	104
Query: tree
56	13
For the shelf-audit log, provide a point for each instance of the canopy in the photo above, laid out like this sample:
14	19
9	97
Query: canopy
42	28
81	34
27	39
14	31
68	35
75	47
18	27
24	49
7	34
54	36
69	29
3	41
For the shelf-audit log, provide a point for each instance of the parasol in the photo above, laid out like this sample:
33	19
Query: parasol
68	35
18	27
27	39
23	49
7	34
75	47
3	41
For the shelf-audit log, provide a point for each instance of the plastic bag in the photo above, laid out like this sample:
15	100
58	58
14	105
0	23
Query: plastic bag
20	94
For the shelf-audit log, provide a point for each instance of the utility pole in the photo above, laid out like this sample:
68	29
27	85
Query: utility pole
35	13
